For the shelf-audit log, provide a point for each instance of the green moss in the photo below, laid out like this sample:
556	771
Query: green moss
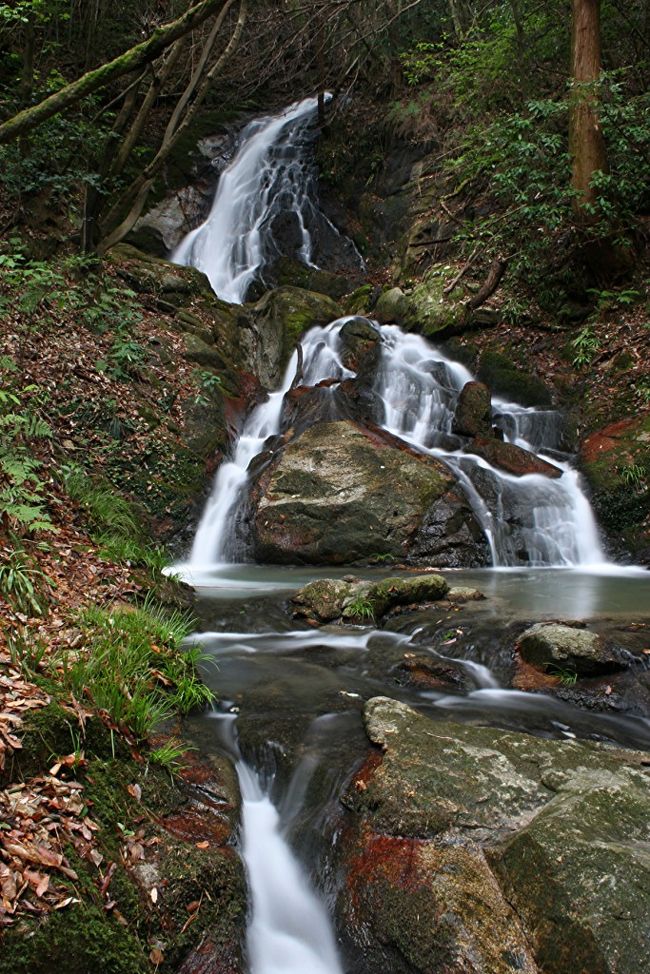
507	380
82	939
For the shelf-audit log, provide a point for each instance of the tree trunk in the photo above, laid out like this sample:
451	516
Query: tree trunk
586	142
130	61
128	208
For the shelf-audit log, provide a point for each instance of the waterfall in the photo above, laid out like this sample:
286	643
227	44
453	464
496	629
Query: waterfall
289	930
215	541
530	520
271	175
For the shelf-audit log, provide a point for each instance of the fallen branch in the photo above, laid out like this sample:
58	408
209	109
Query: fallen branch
133	59
461	274
489	286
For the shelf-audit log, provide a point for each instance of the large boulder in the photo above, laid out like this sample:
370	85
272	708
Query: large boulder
616	463
466	844
338	494
552	646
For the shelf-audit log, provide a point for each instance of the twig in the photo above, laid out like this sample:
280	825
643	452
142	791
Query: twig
462	271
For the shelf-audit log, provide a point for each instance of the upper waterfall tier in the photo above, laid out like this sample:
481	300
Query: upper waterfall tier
272	176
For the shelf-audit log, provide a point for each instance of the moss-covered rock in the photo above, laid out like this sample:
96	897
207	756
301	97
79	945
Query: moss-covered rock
473	416
283	316
360	347
414	590
337	494
392	306
321	600
431	311
510	382
286	272
468	843
155	275
584	858
616	463
579	650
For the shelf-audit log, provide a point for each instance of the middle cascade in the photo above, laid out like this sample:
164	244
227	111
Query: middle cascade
529	520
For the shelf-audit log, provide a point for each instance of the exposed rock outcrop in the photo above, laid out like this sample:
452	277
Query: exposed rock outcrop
467	841
339	494
616	463
511	458
473	415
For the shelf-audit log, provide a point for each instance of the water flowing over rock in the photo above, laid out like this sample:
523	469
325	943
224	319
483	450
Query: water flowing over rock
265	206
337	494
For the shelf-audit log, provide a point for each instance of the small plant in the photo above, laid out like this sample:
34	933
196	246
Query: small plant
210	384
27	651
169	755
22	491
586	345
125	358
136	671
22	583
633	475
360	607
568	678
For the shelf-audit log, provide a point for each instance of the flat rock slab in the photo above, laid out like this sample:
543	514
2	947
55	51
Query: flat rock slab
550	646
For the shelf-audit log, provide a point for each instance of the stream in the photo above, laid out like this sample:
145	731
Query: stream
291	698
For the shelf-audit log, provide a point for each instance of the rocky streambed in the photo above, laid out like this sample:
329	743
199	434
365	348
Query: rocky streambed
466	784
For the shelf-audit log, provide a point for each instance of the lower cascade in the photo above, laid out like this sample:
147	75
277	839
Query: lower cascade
290	930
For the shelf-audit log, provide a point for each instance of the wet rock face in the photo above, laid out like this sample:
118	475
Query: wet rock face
616	463
467	843
474	411
580	651
360	346
338	494
511	458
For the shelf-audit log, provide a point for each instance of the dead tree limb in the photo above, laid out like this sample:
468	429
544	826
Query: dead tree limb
489	286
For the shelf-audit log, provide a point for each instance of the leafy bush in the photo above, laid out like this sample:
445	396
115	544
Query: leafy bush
22	491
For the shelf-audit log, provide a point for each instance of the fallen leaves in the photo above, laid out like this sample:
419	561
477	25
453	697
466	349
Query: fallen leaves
40	818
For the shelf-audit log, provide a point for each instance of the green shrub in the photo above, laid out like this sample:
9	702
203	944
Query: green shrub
22	491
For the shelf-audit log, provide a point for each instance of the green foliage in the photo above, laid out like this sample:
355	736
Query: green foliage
360	607
114	523
22	582
210	384
586	346
633	475
135	668
22	491
567	678
27	651
169	755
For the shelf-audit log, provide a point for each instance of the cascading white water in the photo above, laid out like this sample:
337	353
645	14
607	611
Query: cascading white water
289	930
214	542
530	520
269	176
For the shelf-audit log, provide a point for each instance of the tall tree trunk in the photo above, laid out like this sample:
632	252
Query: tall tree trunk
586	141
